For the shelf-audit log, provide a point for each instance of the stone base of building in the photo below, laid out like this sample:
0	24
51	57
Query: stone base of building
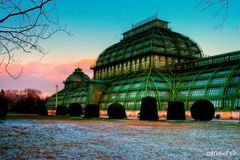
134	114
224	115
228	115
51	112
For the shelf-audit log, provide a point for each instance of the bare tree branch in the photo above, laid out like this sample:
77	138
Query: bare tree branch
24	12
222	7
22	25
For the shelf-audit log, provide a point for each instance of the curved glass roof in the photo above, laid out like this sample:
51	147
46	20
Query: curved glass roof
219	85
153	38
77	76
66	97
76	79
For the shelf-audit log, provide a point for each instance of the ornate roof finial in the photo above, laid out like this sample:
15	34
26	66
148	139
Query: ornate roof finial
79	70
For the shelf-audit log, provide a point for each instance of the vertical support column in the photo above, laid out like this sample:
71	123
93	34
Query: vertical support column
140	63
120	68
152	61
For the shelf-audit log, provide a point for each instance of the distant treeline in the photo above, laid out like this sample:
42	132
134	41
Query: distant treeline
23	101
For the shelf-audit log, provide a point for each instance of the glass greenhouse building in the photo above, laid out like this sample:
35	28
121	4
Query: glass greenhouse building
152	60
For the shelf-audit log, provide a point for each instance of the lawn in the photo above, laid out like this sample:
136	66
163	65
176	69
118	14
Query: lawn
78	138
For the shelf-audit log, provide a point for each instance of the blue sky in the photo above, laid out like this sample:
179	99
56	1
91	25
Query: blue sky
97	24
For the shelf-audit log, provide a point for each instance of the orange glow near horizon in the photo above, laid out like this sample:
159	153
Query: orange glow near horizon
44	76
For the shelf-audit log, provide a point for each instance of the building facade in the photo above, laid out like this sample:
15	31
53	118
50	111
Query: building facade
152	60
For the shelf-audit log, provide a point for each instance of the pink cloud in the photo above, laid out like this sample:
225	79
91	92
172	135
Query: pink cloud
43	76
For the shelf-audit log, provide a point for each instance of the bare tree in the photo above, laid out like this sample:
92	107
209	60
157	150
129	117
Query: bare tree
23	24
222	7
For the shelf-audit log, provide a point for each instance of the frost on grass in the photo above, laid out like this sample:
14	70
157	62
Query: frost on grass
121	139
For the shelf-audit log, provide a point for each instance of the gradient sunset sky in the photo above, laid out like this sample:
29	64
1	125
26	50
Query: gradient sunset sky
97	24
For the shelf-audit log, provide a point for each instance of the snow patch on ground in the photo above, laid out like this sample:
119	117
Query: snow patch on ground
118	139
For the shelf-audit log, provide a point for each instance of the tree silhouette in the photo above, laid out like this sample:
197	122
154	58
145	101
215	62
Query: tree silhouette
24	101
23	24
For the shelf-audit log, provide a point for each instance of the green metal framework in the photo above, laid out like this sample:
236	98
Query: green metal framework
75	91
216	79
131	89
66	97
